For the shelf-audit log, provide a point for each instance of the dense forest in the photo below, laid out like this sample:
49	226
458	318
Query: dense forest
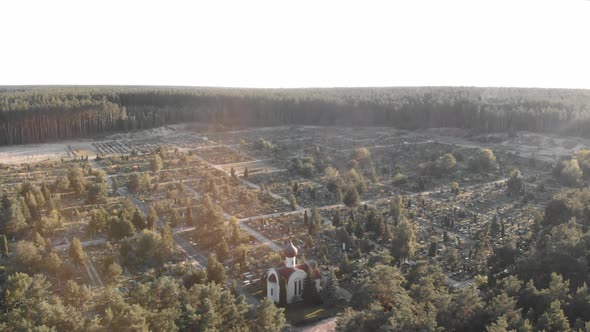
37	114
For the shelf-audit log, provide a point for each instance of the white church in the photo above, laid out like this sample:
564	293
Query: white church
293	275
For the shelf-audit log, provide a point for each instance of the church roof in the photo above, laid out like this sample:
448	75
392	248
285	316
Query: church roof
315	274
286	272
290	250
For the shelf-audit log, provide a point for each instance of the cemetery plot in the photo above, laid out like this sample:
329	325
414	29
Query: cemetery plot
222	155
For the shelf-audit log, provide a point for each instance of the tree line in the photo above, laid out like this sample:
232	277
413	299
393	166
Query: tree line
36	114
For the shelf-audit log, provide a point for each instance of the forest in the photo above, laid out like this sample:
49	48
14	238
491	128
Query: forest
39	114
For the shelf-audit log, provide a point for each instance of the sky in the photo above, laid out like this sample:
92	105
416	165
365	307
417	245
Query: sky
280	44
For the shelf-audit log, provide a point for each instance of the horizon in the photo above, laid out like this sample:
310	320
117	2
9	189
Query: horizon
25	86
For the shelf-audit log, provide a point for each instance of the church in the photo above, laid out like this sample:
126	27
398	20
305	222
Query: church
293	275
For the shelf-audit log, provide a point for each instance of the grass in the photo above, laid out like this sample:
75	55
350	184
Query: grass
302	314
259	293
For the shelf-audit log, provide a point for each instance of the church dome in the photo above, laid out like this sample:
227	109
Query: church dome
290	250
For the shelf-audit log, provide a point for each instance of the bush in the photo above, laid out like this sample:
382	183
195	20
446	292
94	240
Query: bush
399	179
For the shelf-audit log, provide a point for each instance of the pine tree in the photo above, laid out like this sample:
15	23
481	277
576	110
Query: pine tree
310	292
292	202
156	163
329	291
336	221
397	209
76	251
403	243
345	266
4	246
554	319
215	271
152	218
432	248
359	231
268	317
167	237
222	249
138	220
189	215
351	198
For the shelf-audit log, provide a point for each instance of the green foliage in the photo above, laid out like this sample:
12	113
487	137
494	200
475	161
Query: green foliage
76	252
4	246
156	163
139	182
77	182
403	243
310	292
399	179
484	161
120	227
328	293
263	144
351	197
268	317
292	202
215	271
570	172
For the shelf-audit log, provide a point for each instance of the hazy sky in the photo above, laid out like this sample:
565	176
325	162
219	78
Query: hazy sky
296	43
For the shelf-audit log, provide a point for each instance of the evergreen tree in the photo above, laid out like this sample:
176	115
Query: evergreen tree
215	270
403	243
156	163
222	249
397	209
345	265
167	238
268	317
359	231
329	291
554	320
152	218
292	202
138	220
189	215
76	252
310	292
336	221
351	198
4	245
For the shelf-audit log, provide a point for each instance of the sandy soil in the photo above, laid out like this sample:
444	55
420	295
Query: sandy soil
18	154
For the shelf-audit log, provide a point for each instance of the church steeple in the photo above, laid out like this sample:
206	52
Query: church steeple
290	252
